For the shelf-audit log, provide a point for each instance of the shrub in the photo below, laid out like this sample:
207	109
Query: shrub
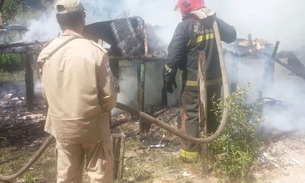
10	62
9	11
237	148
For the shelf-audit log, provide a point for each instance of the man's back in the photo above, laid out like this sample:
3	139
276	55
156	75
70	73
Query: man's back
75	81
69	78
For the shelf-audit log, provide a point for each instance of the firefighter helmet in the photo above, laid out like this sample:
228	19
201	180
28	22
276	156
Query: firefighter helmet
186	6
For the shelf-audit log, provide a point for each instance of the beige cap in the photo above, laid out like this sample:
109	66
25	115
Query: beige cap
68	6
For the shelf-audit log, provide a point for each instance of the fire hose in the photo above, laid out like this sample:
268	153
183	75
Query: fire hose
150	119
132	111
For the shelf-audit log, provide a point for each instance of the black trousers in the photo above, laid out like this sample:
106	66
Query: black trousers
188	121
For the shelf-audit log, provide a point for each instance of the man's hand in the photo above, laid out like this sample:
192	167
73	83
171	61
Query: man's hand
169	78
169	86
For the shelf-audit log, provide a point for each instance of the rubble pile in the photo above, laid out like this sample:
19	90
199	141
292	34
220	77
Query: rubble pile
17	125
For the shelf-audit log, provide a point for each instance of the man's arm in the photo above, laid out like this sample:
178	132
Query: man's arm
176	49
176	53
107	85
226	31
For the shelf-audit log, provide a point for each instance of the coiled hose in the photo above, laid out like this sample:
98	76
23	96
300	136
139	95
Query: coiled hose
44	146
150	119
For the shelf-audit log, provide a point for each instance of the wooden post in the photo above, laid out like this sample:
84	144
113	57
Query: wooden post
118	141
269	70
164	93
29	81
203	108
144	126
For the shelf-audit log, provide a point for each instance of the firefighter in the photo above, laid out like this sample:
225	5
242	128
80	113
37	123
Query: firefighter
80	91
195	35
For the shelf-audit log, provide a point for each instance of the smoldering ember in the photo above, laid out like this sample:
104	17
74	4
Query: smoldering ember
264	77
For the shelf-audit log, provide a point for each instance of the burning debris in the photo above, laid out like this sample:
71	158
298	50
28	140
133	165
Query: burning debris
278	154
22	47
5	32
275	78
246	47
16	122
11	95
262	48
10	45
129	37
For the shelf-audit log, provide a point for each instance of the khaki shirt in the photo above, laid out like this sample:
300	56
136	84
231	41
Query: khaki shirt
79	88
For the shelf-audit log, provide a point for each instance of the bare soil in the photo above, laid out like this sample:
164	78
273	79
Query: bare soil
150	158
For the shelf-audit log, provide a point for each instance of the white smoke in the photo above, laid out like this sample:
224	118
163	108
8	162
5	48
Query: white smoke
289	89
42	29
272	20
154	12
128	85
283	105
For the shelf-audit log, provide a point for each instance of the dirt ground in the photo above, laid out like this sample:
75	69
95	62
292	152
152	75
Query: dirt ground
150	158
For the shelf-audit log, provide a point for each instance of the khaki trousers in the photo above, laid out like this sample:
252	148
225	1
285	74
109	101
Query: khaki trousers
71	159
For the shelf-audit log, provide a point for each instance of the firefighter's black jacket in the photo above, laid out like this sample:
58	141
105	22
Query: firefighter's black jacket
191	36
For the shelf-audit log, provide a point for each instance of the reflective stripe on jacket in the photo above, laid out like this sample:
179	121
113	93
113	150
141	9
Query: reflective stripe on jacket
191	36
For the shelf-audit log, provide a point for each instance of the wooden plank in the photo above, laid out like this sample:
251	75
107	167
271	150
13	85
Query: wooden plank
29	81
268	79
118	141
141	71
203	108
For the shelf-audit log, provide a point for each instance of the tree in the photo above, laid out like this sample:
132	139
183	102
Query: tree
9	10
36	4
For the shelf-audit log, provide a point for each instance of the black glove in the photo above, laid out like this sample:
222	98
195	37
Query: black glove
169	86
169	80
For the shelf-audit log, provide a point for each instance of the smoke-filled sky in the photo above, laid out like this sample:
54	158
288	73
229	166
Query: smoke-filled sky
271	20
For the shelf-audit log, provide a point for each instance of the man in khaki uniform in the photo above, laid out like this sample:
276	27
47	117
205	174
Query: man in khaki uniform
80	91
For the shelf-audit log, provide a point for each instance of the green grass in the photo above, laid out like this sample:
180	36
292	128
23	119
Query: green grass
43	171
11	76
141	164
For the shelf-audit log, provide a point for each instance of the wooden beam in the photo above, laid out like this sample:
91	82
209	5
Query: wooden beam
29	81
268	79
141	70
118	141
203	107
